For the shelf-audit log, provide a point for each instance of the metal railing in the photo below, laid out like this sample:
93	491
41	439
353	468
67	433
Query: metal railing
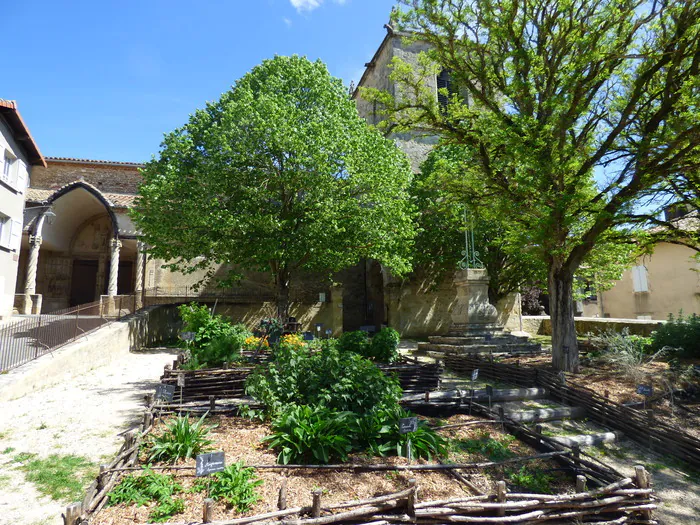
28	337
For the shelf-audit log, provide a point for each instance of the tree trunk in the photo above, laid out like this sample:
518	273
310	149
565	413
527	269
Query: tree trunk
561	307
282	279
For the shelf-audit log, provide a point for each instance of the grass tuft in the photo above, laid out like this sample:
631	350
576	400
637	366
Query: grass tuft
62	478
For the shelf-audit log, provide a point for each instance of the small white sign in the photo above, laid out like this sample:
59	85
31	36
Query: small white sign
475	374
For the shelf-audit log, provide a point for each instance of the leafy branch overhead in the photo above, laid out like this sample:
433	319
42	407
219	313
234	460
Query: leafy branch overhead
576	116
279	175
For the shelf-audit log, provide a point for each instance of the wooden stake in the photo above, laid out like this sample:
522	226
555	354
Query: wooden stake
100	477
147	420
208	511
212	403
642	479
282	499
580	483
72	515
427	397
501	496
149	399
412	497
316	504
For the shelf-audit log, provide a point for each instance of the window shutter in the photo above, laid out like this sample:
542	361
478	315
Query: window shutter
639	279
16	235
21	184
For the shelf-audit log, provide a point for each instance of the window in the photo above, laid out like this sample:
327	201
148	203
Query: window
8	164
5	230
10	233
444	82
639	279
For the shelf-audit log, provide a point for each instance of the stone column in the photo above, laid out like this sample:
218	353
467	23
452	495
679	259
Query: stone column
30	280
32	264
115	245
138	284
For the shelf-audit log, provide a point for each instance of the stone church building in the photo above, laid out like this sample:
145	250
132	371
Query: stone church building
79	245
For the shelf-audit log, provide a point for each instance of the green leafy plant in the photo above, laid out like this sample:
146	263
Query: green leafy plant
181	439
378	432
149	486
493	449
357	342
530	479
216	339
305	434
339	381
384	347
235	485
681	333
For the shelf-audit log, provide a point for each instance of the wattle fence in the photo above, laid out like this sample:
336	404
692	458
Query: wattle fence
27	337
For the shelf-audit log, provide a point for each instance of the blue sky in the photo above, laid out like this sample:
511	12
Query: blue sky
106	79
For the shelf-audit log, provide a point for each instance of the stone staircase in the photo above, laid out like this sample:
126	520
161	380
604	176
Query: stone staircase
494	342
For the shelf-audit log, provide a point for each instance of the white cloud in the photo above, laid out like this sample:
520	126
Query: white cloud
287	21
306	5
310	5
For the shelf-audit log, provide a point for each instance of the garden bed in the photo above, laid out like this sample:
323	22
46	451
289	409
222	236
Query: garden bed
241	439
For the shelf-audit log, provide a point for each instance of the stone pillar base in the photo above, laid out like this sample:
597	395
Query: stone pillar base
28	304
473	314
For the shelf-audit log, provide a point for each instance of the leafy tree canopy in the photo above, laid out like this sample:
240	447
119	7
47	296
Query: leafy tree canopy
571	111
280	174
443	193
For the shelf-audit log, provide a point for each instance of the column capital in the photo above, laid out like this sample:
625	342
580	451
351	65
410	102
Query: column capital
115	244
35	240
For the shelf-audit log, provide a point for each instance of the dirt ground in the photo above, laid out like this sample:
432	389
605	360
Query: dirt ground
82	417
240	440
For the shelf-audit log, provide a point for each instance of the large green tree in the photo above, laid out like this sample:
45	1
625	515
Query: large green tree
572	110
279	175
444	195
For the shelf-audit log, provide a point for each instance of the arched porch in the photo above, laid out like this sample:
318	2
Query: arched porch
75	251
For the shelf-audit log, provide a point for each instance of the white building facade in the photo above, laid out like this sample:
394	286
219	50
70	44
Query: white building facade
18	153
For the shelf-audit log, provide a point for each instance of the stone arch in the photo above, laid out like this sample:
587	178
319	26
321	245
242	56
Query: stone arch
95	193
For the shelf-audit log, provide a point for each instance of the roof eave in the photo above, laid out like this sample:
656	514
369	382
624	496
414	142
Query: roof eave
20	132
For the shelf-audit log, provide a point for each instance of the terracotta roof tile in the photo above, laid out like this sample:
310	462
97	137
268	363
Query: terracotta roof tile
94	161
117	200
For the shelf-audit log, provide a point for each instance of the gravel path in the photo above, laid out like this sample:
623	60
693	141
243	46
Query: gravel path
82	417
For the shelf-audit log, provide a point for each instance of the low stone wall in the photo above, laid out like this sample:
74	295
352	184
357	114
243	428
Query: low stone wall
542	325
148	327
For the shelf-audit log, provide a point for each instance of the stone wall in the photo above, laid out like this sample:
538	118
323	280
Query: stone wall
542	325
105	177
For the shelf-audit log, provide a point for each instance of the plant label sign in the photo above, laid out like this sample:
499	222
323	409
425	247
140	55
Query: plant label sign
209	463
187	336
165	392
475	374
181	380
645	390
408	424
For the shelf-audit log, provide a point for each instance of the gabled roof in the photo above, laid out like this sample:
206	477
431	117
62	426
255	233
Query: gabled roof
20	132
118	200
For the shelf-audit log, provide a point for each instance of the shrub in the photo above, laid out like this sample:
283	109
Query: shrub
530	479
492	449
235	485
384	346
147	487
331	379
356	342
681	333
305	434
180	440
628	353
378	432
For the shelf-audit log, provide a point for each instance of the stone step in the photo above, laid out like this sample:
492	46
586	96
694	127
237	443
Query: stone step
588	440
545	414
468	340
511	394
499	394
517	348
